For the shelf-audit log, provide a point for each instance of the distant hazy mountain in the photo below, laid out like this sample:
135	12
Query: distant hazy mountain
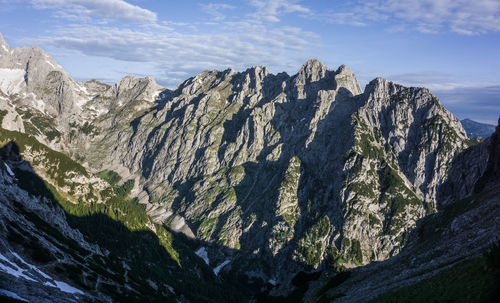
475	129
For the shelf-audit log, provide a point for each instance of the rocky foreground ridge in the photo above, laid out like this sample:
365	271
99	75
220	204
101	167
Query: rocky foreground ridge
274	174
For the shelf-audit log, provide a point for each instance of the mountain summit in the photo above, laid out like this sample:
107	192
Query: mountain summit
4	47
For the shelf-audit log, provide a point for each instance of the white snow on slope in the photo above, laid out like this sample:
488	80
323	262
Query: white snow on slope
82	88
31	266
202	253
156	95
48	62
13	295
19	272
9	170
5	48
67	288
13	269
220	266
11	80
35	102
83	95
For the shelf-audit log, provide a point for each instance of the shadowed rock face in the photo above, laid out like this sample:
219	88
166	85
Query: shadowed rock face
56	249
473	171
449	247
303	170
492	172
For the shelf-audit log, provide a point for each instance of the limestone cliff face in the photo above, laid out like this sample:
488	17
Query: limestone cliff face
464	228
30	76
304	170
44	101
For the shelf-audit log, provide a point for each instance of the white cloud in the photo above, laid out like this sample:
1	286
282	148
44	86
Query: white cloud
175	53
270	10
439	81
108	9
175	49
215	10
478	103
349	18
426	16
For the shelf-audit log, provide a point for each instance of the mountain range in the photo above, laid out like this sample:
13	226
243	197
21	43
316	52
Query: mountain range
235	186
477	130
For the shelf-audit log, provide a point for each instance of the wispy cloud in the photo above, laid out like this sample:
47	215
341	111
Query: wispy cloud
270	10
438	81
174	49
426	16
108	9
216	10
176	53
477	103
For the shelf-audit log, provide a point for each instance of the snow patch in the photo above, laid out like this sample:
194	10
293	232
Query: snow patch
152	284
40	105
11	80
97	111
31	266
9	170
157	95
67	288
80	102
202	253
13	269
35	102
82	99
83	89
11	294
48	62
220	266
5	48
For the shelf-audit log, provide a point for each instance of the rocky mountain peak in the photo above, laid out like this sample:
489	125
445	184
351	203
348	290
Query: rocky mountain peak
380	88
4	47
312	71
34	61
130	81
345	78
127	81
258	69
376	83
33	72
131	88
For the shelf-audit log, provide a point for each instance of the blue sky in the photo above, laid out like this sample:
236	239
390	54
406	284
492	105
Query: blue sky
451	47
